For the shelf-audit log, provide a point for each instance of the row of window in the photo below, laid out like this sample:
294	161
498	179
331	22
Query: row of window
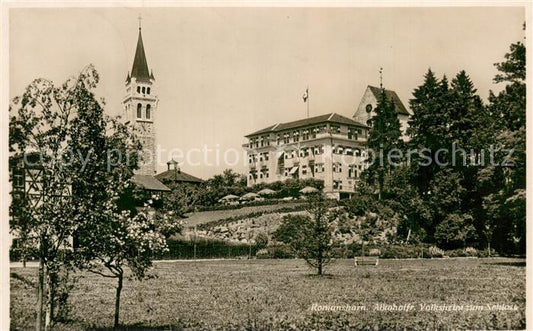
344	150
262	174
143	90
148	112
300	135
253	158
259	142
305	134
354	171
305	151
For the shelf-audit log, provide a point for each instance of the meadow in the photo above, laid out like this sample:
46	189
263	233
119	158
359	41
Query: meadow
281	294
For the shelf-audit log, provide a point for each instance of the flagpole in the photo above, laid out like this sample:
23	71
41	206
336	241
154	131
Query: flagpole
307	90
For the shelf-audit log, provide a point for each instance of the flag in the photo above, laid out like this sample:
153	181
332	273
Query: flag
306	95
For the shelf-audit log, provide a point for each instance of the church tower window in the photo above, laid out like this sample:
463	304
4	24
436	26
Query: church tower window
148	112
147	90
144	89
139	110
138	89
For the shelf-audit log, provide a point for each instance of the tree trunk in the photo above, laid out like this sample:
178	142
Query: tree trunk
117	298
49	302
319	260
40	294
488	247
51	283
408	236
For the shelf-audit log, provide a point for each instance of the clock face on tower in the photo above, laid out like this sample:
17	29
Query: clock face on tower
145	128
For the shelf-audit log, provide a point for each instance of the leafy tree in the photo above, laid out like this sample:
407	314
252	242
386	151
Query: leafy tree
261	240
119	224
126	238
41	123
311	238
455	231
403	197
503	187
445	197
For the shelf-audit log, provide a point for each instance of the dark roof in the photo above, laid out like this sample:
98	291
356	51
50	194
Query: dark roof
140	65
178	176
149	183
400	108
331	117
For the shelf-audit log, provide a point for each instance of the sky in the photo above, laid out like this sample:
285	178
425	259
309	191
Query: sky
222	73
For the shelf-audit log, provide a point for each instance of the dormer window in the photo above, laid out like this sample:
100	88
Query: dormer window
139	110
148	112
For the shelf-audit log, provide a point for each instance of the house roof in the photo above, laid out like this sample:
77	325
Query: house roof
178	176
149	183
139	69
326	118
400	108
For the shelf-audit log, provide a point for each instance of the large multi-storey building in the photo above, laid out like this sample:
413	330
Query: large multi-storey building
328	147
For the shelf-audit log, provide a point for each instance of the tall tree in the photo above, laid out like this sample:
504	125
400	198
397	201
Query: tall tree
40	125
118	224
503	182
384	140
429	129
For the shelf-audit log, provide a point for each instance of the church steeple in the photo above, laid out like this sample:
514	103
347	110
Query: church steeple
139	69
140	107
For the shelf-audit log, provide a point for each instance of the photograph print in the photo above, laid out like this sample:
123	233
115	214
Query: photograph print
265	166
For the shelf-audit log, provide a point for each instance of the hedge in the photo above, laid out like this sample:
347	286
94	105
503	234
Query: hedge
205	249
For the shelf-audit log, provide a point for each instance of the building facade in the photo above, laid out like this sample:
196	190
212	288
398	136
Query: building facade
366	109
328	147
140	107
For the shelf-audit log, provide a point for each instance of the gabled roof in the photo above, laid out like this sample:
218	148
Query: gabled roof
400	108
149	183
139	69
326	118
178	176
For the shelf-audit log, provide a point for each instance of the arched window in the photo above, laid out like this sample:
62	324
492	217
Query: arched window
139	111
144	89
147	90
148	112
138	89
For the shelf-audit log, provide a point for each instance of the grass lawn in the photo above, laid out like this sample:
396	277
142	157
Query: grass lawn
273	294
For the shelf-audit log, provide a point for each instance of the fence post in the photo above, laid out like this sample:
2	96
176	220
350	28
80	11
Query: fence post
194	243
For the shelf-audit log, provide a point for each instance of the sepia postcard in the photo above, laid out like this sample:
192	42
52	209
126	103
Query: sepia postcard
264	165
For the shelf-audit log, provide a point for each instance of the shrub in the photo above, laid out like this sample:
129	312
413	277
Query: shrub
275	252
470	251
262	253
434	251
261	240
